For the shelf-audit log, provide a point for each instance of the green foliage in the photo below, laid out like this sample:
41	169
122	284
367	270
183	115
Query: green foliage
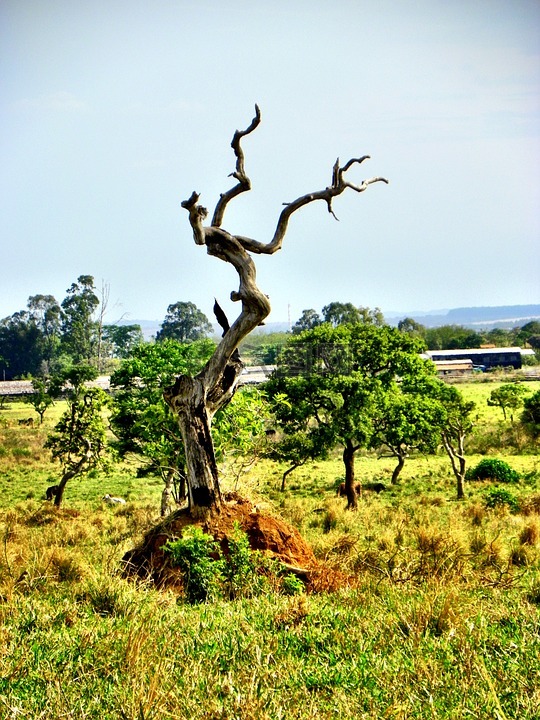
199	558
209	575
238	431
241	568
79	328
500	497
337	313
329	382
121	340
308	320
456	424
184	322
450	337
292	585
79	440
43	395
507	397
493	469
140	418
531	412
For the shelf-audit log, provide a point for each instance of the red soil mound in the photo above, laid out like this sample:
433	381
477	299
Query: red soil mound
266	533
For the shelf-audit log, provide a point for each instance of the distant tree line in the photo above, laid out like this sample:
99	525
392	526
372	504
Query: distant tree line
444	337
50	336
264	348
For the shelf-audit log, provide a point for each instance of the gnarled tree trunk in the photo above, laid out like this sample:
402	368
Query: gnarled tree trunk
196	400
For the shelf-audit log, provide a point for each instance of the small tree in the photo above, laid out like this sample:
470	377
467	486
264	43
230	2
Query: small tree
507	397
44	392
531	412
406	418
331	378
78	440
141	420
307	321
79	328
456	425
122	339
184	322
239	432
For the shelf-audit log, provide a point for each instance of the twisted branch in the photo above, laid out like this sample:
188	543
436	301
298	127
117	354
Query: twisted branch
244	183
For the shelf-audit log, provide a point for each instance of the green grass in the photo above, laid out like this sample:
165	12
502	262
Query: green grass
438	617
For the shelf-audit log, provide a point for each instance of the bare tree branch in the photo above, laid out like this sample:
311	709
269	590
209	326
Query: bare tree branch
244	183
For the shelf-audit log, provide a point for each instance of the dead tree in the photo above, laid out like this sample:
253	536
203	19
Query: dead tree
196	400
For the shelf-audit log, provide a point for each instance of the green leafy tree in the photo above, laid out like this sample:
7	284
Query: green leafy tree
45	313
78	440
531	412
239	432
307	321
456	425
184	322
79	328
526	332
122	339
452	337
331	378
412	327
405	418
140	418
44	392
337	313
508	397
296	448
20	346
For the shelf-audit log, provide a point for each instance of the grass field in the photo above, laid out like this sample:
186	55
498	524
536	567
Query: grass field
437	614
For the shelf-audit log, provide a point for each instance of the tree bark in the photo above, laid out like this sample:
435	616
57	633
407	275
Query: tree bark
457	459
66	477
196	400
348	461
398	468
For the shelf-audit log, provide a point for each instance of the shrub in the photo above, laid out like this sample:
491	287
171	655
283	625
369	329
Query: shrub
499	497
208	575
292	585
240	568
199	558
492	469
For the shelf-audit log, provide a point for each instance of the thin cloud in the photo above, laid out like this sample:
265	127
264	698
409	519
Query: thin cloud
59	102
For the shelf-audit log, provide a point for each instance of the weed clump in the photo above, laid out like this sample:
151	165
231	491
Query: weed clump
501	498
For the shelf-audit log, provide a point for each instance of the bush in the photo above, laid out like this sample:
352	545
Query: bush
208	575
241	574
499	497
199	558
292	585
492	469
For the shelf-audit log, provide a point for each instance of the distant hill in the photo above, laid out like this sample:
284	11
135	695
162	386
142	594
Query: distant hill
503	316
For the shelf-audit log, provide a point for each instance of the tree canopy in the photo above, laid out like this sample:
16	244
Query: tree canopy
184	322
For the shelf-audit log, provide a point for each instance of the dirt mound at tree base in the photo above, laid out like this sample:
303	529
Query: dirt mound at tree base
266	533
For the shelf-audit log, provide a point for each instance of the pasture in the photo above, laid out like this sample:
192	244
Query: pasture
430	608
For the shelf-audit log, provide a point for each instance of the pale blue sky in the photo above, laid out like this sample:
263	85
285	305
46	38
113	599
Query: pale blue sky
113	111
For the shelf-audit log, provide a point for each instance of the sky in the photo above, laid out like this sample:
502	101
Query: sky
112	112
